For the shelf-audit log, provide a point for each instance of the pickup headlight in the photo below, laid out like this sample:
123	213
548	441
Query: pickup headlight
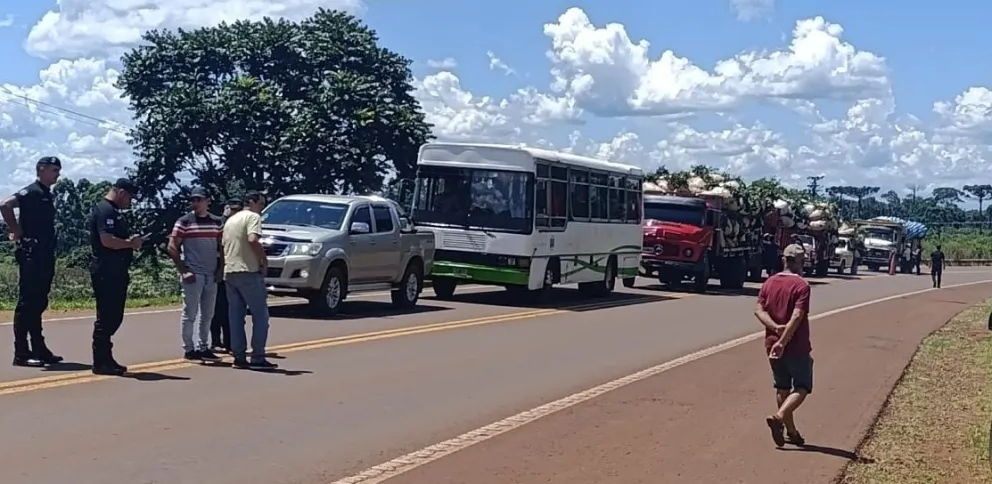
311	249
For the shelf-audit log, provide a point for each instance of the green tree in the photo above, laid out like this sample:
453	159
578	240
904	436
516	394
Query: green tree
315	106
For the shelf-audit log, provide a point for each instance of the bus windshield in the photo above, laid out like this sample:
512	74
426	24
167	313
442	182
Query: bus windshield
472	198
670	212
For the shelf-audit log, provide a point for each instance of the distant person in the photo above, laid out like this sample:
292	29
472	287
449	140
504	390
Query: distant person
245	266
783	309
937	262
769	253
113	249
917	257
33	233
220	328
194	247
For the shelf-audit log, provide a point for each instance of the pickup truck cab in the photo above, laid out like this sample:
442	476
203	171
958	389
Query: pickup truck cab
843	257
324	247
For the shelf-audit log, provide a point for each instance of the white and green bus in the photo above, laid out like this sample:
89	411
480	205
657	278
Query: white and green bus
528	219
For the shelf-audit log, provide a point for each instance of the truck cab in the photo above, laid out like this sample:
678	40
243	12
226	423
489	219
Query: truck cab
881	240
684	238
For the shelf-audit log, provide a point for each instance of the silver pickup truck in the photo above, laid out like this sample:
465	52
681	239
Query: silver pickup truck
323	247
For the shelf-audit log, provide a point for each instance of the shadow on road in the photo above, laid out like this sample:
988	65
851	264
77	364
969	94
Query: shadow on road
711	290
68	366
358	309
565	299
832	451
152	376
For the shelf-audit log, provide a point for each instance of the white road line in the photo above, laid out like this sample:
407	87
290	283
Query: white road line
413	460
287	302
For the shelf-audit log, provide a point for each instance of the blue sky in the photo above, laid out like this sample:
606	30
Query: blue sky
878	127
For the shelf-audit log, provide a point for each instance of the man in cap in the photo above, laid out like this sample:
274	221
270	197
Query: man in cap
783	309
194	246
34	234
113	248
220	330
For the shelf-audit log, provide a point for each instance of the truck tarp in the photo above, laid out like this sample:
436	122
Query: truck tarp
914	230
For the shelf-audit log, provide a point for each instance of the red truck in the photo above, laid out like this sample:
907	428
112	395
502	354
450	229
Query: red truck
819	244
684	238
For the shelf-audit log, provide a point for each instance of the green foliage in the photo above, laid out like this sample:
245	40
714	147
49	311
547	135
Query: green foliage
309	107
961	243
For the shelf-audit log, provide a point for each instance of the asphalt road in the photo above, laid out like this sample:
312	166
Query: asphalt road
356	390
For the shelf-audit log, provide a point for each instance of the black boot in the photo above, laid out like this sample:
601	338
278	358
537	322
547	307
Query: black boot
22	354
41	352
103	361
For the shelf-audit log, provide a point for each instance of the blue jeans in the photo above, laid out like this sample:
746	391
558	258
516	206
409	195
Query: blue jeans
246	290
199	298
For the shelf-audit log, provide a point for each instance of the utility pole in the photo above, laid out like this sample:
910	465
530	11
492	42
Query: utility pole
814	184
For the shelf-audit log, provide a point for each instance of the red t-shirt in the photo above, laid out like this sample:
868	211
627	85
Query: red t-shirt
780	295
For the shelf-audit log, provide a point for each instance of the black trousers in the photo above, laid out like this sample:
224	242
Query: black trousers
110	290
936	274
220	329
36	267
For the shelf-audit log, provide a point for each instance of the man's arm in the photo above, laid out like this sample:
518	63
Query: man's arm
799	313
107	239
174	249
254	227
7	211
763	317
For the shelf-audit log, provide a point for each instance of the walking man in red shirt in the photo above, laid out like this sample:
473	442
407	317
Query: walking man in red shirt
783	309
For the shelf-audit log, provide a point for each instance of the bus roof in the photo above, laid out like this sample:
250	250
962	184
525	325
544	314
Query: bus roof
503	157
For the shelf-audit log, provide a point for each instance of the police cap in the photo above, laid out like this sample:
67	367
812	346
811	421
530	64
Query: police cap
126	185
49	161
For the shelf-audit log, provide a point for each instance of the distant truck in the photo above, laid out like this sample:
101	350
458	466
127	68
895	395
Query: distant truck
324	247
685	238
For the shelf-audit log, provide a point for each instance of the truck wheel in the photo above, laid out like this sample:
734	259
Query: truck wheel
734	273
332	293
873	267
444	288
408	292
701	280
843	265
629	281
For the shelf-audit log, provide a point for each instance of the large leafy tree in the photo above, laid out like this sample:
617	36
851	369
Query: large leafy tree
315	106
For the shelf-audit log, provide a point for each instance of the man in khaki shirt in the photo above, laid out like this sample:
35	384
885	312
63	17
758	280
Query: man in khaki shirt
245	266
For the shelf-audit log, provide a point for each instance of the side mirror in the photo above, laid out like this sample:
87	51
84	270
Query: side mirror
359	228
406	225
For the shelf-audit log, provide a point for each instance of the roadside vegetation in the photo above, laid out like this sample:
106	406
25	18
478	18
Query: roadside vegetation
960	244
935	426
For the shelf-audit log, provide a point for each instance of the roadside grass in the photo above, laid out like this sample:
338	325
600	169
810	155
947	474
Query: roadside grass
934	429
89	304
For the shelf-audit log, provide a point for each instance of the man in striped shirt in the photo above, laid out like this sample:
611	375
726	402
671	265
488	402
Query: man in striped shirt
195	247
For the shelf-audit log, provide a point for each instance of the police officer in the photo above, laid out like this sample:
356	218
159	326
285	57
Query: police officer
113	248
220	330
34	234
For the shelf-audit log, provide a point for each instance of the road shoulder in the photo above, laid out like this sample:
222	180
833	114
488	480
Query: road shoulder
934	426
703	421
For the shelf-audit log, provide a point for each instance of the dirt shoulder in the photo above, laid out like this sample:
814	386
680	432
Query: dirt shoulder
704	421
935	427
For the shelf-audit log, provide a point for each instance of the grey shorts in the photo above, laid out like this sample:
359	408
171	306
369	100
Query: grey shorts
793	372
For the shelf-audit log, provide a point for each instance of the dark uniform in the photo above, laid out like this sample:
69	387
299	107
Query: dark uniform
110	276
220	330
35	256
936	266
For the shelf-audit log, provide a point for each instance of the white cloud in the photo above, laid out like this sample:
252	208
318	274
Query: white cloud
748	10
446	63
606	97
497	64
6	20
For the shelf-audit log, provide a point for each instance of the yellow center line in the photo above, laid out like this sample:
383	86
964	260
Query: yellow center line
80	377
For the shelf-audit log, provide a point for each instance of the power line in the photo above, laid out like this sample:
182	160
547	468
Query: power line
64	112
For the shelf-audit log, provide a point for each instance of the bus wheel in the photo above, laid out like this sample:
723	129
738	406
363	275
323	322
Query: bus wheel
610	280
444	288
